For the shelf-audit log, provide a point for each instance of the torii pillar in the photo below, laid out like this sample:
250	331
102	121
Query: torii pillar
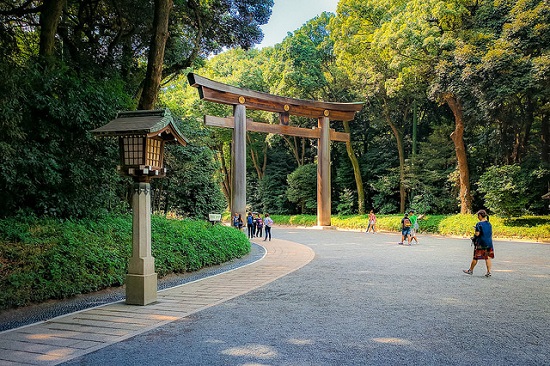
241	99
323	173
238	162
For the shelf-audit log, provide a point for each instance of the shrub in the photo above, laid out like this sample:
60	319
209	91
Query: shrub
302	187
43	259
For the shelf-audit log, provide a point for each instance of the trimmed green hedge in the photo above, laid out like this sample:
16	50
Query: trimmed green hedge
527	227
42	259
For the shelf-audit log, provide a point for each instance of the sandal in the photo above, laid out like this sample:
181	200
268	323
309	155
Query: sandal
468	271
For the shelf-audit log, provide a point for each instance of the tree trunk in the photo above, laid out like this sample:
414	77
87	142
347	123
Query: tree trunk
458	139
49	21
293	144
401	151
153	77
356	173
545	138
260	166
225	183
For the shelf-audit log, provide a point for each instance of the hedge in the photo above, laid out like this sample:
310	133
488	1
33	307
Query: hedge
42	259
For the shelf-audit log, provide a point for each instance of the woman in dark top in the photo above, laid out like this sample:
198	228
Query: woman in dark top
483	243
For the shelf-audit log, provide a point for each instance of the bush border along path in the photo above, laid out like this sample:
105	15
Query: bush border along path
43	259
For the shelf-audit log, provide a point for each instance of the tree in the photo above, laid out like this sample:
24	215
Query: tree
97	52
189	190
365	48
505	190
153	76
302	188
59	169
49	21
513	73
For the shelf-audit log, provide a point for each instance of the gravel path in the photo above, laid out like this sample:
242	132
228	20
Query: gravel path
364	300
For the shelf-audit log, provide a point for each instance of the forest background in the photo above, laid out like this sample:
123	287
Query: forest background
456	94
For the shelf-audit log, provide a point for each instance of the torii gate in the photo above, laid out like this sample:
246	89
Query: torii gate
241	99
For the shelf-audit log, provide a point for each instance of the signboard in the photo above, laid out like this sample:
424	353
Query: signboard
215	217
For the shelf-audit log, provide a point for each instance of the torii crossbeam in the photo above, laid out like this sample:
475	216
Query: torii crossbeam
241	99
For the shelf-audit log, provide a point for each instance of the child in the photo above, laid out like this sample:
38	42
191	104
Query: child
405	230
372	222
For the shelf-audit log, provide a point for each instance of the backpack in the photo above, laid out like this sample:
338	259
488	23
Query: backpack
407	222
250	220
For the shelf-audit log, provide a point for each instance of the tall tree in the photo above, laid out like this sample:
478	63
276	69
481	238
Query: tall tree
49	21
155	62
364	46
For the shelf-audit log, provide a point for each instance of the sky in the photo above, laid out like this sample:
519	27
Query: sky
289	15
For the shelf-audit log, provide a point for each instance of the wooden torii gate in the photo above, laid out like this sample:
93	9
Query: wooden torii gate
241	99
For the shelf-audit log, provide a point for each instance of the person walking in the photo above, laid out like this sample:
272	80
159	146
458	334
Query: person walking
250	225
259	226
240	222
268	223
405	229
372	222
254	224
483	243
414	226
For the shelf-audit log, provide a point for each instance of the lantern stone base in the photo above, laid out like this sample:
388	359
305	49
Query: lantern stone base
141	289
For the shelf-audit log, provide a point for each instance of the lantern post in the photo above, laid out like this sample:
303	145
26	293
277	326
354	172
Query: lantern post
142	136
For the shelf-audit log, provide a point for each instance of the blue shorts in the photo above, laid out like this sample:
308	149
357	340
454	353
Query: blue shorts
406	231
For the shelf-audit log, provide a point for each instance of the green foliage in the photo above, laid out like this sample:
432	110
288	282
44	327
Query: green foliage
302	187
273	186
505	189
297	220
43	259
392	54
525	227
53	165
431	189
189	189
346	202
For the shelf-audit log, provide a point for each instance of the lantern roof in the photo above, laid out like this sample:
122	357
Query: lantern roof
148	123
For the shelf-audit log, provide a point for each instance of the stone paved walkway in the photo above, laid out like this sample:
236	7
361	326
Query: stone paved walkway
66	337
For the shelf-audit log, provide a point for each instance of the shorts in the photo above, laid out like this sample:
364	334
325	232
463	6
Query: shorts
406	231
484	253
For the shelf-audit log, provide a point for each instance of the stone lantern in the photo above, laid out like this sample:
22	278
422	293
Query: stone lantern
142	136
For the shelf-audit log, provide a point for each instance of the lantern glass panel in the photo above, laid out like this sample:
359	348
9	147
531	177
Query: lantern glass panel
133	150
154	153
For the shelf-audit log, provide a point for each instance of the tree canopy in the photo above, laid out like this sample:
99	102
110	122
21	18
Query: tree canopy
457	95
